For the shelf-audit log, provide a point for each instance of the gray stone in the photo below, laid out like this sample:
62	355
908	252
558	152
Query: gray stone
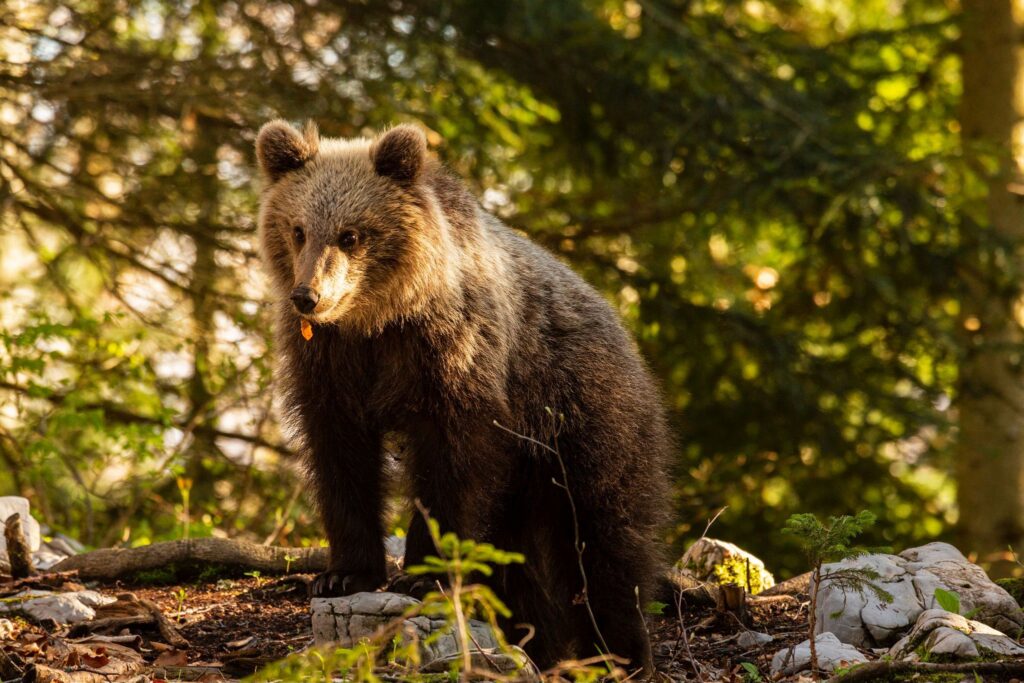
940	632
865	620
16	504
63	608
749	640
705	558
347	620
832	654
44	558
514	662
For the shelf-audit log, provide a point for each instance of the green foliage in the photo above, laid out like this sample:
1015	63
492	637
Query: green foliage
751	673
462	556
391	654
772	194
830	542
655	607
948	600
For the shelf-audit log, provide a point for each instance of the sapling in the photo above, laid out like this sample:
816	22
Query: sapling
832	542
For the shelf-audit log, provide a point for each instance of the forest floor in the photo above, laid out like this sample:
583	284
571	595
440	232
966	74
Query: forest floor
234	627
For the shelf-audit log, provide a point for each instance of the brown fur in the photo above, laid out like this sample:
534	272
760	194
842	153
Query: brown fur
439	322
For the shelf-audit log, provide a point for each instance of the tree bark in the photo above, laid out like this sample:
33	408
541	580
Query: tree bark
114	563
990	454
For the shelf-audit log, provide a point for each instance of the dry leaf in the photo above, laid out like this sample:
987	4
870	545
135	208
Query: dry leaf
307	330
97	659
172	658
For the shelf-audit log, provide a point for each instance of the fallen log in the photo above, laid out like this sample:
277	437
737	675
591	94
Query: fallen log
116	563
875	671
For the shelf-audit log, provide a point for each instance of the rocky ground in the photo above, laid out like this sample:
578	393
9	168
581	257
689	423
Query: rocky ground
235	626
928	615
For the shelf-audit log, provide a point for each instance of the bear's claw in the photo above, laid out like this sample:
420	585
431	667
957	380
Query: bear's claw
338	583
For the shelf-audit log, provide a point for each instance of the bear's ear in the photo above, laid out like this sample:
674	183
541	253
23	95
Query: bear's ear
399	154
281	149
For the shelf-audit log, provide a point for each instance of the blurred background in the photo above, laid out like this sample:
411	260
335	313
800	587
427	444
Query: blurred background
808	212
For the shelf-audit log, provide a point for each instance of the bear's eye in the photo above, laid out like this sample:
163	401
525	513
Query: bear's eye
300	234
348	239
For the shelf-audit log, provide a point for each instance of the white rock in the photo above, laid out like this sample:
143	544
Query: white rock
16	504
44	558
832	654
944	633
865	620
749	640
64	608
62	545
347	620
704	558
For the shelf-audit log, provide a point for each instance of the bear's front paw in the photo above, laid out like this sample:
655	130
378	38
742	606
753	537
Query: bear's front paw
414	586
340	582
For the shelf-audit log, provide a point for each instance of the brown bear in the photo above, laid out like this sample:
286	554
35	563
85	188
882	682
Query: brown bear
404	308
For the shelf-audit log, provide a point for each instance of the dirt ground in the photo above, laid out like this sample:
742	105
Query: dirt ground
236	626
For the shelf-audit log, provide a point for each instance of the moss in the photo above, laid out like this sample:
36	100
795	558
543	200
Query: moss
175	573
1014	587
733	571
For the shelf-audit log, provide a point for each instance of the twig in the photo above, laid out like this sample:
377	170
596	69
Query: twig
686	638
167	628
579	544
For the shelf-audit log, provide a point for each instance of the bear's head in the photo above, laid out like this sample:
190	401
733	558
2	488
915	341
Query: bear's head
351	229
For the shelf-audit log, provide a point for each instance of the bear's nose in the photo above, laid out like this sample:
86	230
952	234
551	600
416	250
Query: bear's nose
304	299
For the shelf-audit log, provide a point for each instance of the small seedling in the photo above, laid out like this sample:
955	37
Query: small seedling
751	673
256	576
832	542
180	595
288	559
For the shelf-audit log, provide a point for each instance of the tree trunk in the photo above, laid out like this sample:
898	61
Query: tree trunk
990	457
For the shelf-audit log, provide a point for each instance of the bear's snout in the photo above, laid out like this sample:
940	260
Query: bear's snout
304	299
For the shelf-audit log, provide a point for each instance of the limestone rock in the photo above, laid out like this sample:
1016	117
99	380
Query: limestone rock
63	608
864	620
832	654
940	632
721	562
347	620
16	504
749	640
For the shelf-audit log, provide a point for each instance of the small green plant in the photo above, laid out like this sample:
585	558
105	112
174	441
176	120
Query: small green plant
288	560
655	607
950	601
257	576
833	542
180	596
751	674
460	600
